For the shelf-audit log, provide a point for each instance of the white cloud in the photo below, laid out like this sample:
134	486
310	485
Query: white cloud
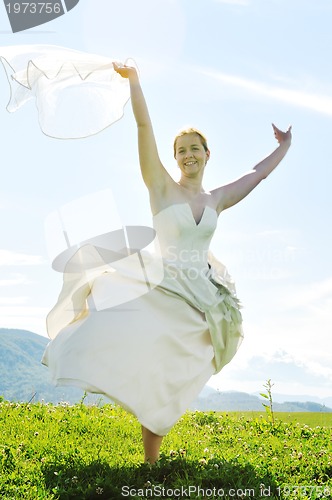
10	301
283	357
288	373
315	102
25	318
9	258
15	279
27	311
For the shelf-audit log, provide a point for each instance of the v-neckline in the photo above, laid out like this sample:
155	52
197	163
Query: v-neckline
185	203
192	214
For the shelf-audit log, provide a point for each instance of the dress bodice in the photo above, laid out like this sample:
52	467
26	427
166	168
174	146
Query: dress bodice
182	240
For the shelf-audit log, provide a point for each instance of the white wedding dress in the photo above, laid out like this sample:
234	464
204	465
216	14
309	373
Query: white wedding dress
155	353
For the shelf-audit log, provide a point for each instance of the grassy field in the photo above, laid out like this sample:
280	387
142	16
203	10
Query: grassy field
90	452
306	418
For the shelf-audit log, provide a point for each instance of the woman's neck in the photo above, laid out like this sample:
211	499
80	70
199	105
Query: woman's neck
192	185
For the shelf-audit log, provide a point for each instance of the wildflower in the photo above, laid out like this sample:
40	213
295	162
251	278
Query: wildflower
172	453
202	461
147	484
206	450
74	479
99	491
36	433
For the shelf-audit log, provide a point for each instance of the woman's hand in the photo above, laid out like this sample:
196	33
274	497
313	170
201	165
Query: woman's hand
125	71
283	137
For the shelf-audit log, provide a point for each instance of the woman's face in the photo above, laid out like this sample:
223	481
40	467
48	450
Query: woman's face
190	154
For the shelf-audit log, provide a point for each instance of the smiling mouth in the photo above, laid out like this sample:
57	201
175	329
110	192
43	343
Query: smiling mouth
189	163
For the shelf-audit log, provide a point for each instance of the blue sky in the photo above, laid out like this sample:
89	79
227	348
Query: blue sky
230	68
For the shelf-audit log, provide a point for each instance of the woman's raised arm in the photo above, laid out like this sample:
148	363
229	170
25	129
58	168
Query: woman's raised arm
154	174
230	194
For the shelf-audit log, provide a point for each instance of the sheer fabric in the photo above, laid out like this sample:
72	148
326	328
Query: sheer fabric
77	94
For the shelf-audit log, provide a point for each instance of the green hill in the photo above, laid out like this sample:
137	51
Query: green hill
23	377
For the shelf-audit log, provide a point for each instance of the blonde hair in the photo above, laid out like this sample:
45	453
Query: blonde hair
190	130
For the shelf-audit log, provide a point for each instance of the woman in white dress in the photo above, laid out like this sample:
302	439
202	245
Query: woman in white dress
155	353
191	153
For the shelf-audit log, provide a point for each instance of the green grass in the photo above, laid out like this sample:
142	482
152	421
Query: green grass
80	452
305	418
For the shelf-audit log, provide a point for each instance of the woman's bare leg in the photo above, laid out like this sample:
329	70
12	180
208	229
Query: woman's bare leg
151	443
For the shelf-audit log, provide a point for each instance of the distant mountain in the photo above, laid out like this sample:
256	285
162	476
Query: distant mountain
241	401
283	398
24	378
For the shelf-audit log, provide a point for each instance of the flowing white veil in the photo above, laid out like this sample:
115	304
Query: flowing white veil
77	94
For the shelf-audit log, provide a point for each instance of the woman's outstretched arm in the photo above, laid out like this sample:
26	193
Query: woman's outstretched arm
154	174
230	194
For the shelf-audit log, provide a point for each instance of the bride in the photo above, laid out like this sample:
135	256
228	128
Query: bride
155	353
